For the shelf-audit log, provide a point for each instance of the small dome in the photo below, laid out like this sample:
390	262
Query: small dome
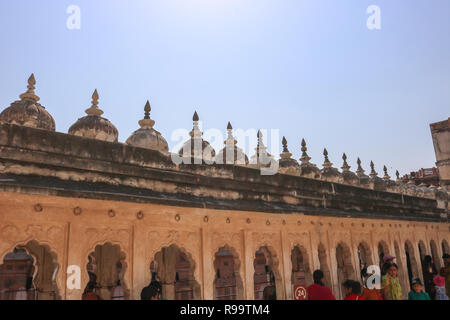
231	151
27	111
348	176
93	126
196	147
328	172
146	136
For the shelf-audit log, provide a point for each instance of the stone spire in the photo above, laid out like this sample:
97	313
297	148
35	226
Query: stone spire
147	121
231	153
230	139
326	163
94	110
345	167
360	170
260	148
196	133
373	173
261	156
304	158
397	174
386	176
29	94
285	154
286	163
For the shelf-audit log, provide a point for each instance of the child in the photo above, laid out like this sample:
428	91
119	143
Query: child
352	290
390	284
439	282
416	293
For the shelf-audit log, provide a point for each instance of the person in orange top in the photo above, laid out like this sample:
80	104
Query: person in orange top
90	294
370	294
352	290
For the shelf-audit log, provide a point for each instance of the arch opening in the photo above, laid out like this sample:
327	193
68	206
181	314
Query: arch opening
29	273
301	272
174	268
345	269
266	279
228	284
106	268
324	265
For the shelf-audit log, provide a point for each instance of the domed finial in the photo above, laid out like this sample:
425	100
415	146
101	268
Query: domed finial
373	173
345	167
386	176
360	170
304	158
230	139
94	110
285	154
147	121
147	110
29	94
327	162
284	142
195	130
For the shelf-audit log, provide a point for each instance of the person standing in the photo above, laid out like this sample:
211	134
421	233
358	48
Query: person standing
439	282
318	291
429	271
352	290
445	272
370	294
417	293
387	261
390	284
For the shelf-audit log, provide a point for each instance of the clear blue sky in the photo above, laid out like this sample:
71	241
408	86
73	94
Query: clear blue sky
310	68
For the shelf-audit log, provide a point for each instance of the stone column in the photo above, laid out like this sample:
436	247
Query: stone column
75	257
287	270
249	269
141	262
208	265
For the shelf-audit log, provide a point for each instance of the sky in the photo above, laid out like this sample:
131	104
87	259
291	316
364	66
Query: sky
309	68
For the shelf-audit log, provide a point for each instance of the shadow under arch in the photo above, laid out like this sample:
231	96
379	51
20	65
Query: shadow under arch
106	266
445	247
422	250
174	267
364	255
345	269
435	254
228	283
383	250
267	278
301	271
411	262
41	272
321	251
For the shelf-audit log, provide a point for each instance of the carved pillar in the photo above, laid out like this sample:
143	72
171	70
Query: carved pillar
249	269
286	263
208	266
332	263
141	265
75	257
314	249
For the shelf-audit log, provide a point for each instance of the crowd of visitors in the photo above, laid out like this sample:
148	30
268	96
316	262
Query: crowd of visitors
436	287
